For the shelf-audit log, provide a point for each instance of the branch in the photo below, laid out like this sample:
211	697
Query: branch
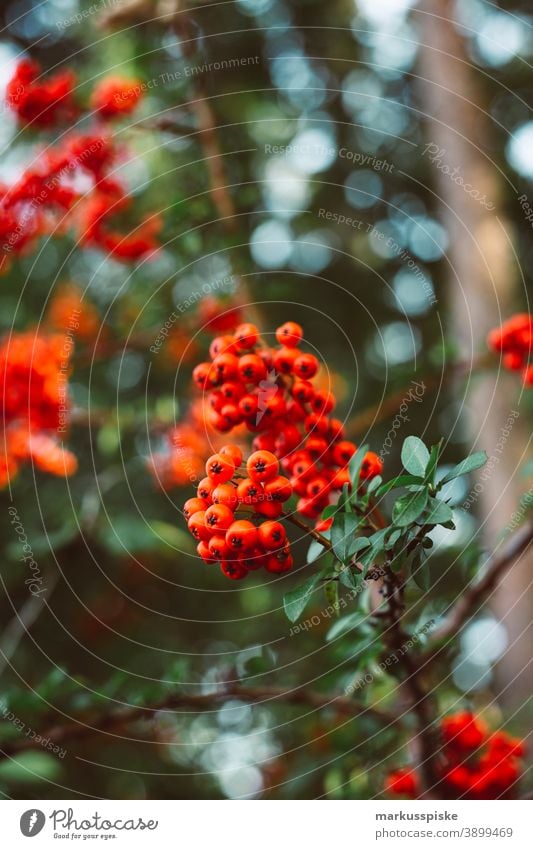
496	566
426	739
390	405
106	723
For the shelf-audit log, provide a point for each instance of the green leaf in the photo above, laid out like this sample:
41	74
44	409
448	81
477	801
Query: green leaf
409	507
377	543
331	590
357	545
354	466
296	600
374	484
438	512
350	577
415	456
316	549
470	464
420	571
433	460
396	483
30	767
342	532
343	625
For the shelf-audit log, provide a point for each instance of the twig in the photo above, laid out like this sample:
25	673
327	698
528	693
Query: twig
412	681
364	420
291	517
106	723
469	601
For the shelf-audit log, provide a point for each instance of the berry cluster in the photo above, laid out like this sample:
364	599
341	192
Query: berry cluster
214	516
48	101
514	340
49	193
270	392
476	764
35	407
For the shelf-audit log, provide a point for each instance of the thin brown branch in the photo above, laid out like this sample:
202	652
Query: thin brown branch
472	597
109	723
390	405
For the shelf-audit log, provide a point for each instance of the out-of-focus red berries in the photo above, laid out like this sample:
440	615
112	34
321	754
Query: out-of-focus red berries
514	341
475	764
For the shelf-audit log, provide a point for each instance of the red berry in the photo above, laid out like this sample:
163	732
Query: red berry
202	375
219	468
204	552
241	535
303	391
269	509
233	452
194	505
323	403
248	405
262	466
284	359
246	336
252	369
233	569
280	562
218	517
250	492
371	466
218	547
271	535
278	489
222	345
226	366
343	452
232	390
289	334
232	414
305	366
197	527
205	489
226	494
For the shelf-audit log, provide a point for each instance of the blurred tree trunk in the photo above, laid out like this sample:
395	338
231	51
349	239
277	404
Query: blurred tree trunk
482	280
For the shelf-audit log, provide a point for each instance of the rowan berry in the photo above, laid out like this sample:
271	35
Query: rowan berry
205	489
252	369
262	466
284	359
194	505
225	494
371	466
246	336
197	526
278	489
202	375
289	334
233	569
219	548
343	452
205	552
219	468
222	345
271	535
269	509
233	452
241	535
250	492
303	391
226	366
305	366
218	517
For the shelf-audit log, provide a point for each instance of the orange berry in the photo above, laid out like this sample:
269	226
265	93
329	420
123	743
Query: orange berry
218	517
289	334
241	535
271	535
262	466
219	468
